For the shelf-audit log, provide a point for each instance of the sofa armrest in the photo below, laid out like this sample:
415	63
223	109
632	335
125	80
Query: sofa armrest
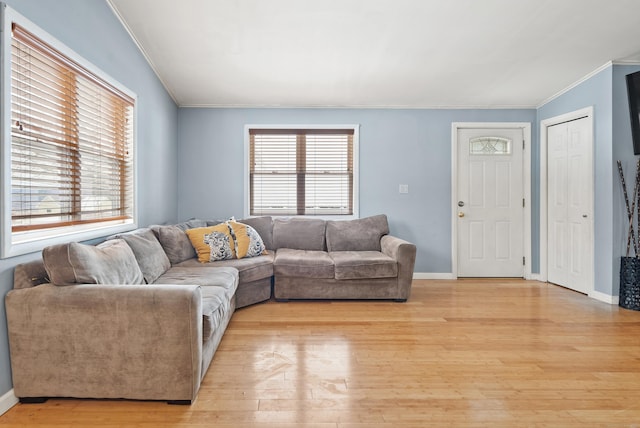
106	341
404	253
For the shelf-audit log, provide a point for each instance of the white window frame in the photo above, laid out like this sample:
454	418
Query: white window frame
356	166
13	245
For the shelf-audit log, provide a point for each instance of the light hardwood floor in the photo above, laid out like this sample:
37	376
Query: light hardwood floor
467	353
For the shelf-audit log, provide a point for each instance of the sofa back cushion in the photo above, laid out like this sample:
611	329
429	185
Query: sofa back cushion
363	234
175	243
264	226
299	234
152	259
111	262
30	274
192	223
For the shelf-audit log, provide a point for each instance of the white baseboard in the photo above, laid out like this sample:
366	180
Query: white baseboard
7	401
606	298
430	275
445	275
597	295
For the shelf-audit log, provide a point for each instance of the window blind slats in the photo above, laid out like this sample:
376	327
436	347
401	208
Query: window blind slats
72	141
301	171
42	117
29	40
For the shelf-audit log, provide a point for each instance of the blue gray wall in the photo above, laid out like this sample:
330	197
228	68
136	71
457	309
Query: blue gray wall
596	92
90	28
622	149
396	147
606	92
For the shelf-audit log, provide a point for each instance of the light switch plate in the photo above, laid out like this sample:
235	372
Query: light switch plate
404	188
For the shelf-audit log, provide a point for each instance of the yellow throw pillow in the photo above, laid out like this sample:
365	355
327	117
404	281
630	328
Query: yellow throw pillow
248	242
212	243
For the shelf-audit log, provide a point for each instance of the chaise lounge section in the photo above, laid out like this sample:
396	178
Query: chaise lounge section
88	322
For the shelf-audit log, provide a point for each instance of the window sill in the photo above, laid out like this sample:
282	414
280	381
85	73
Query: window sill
31	242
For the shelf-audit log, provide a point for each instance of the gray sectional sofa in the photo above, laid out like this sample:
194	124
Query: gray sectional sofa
139	317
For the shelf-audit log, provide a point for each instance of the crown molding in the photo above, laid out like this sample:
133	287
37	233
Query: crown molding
367	107
575	84
141	49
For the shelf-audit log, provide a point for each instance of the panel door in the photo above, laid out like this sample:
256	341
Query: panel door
490	213
570	204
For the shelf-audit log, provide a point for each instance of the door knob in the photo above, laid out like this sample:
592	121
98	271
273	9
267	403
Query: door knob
461	214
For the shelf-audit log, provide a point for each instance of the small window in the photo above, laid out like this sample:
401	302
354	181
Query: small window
490	146
71	138
302	171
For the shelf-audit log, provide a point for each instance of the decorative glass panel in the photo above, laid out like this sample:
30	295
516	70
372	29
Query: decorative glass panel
490	146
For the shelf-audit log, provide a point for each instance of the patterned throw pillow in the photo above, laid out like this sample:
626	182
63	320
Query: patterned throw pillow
212	243
247	241
224	241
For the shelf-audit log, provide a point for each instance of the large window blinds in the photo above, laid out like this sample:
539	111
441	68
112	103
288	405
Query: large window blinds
72	136
301	171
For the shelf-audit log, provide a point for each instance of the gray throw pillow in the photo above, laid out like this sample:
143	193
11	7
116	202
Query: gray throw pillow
111	262
175	243
192	223
152	259
263	226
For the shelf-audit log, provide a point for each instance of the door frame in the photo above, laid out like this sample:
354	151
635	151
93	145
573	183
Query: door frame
526	171
586	112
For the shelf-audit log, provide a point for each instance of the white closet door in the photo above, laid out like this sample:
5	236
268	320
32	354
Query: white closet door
570	204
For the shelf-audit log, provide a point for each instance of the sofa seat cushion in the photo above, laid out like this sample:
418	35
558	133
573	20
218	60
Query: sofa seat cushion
216	304
223	277
250	269
363	265
303	263
218	285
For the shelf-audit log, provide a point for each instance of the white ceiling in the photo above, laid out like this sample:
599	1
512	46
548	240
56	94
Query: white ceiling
378	53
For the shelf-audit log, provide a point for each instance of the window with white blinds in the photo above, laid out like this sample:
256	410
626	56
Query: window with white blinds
72	144
307	171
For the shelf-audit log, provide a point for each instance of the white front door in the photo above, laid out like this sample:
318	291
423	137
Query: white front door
570	212
490	211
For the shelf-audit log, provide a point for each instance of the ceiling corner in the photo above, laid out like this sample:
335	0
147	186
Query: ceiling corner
141	49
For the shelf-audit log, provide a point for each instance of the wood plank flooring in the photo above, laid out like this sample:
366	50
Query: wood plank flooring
466	353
